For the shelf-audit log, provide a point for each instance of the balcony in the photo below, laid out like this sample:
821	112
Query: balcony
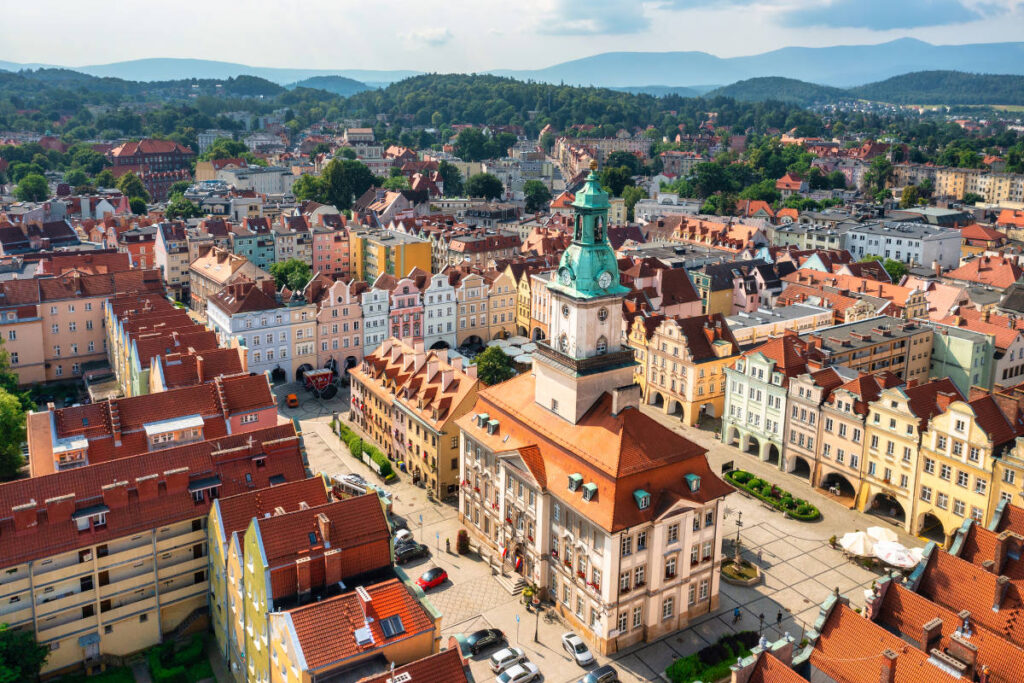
147	602
186	565
64	568
72	622
14	614
14	586
191	590
56	602
138	552
185	536
143	577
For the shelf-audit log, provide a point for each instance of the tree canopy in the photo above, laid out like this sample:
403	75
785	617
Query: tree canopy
484	185
21	657
494	366
32	188
293	273
131	186
537	195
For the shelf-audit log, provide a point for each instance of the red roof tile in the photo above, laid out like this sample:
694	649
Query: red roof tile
237	511
446	666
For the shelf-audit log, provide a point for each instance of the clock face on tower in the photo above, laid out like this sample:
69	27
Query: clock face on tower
604	280
565	276
565	310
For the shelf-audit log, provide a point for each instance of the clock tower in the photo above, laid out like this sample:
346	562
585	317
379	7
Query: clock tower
583	357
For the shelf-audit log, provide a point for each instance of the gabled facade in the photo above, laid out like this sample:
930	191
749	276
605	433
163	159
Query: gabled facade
439	311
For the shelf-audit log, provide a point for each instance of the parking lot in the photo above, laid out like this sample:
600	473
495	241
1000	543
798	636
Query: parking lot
799	567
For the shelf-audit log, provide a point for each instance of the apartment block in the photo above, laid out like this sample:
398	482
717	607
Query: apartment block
119	562
374	252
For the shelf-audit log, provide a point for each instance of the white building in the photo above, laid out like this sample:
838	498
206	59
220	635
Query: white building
261	179
376	310
918	243
439	312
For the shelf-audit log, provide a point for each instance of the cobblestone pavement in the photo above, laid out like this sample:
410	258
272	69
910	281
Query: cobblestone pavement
799	567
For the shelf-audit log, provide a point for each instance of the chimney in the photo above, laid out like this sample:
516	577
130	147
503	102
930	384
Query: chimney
323	522
964	652
1000	592
931	634
447	376
332	566
457	364
625	397
199	368
887	674
937	267
115	495
25	516
432	367
60	508
1001	550
176	480
147	486
302	577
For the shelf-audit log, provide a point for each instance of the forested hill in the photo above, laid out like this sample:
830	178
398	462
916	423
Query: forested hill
339	85
784	89
945	87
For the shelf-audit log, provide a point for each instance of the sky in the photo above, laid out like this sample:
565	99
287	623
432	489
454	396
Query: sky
473	35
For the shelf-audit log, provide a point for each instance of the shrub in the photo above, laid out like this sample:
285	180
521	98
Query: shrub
743	477
462	542
190	654
780	499
713	661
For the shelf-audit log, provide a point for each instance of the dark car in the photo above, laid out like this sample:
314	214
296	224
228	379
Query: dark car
432	578
602	674
405	552
477	641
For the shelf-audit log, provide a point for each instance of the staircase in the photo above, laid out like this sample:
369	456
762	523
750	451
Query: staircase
182	629
512	582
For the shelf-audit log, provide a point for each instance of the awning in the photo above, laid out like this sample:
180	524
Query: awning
204	483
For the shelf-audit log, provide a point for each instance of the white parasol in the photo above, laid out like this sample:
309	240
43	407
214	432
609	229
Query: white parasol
857	543
895	554
880	533
917	554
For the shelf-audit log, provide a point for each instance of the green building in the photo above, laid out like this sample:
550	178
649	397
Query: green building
963	355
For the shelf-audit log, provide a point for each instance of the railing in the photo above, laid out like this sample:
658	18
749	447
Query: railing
57	602
127	555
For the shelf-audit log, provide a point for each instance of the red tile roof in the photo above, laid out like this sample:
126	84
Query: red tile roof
446	666
789	352
149	146
1012	519
237	511
850	650
993	271
769	669
230	458
325	630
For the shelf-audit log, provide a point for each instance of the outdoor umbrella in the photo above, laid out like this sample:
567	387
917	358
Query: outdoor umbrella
880	533
895	554
917	554
857	543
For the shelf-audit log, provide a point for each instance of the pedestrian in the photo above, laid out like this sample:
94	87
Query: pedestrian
778	620
736	615
759	557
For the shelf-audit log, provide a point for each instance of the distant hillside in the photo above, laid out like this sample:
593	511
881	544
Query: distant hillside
659	90
945	87
781	89
26	82
339	85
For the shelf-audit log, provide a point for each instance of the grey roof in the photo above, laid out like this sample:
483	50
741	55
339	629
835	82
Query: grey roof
922	231
763	315
850	336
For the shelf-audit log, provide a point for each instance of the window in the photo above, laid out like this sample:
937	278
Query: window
624	581
250	418
640	576
673	533
980	485
958	507
929	466
940	443
709	518
1009	476
702	592
962	479
945	472
670	567
641	541
638	617
627	545
942	500
623	621
668	608
926	494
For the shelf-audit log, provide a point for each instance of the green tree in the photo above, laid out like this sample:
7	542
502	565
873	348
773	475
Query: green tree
397	182
138	206
910	197
895	269
452	178
616	178
764	191
631	195
21	657
471	145
620	158
293	273
348	153
12	434
493	366
345	180
537	195
878	173
972	198
484	185
224	148
32	188
76	177
131	186
309	187
104	179
179	187
179	207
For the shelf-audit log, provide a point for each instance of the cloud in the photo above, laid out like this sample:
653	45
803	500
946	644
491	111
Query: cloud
882	15
702	4
593	18
434	37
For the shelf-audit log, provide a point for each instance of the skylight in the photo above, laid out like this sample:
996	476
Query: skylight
392	626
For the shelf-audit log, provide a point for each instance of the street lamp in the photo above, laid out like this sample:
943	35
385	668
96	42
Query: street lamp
739	525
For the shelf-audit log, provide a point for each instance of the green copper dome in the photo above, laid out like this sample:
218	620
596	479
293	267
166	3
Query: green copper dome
588	267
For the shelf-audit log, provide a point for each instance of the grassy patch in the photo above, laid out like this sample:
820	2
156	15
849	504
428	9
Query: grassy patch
779	498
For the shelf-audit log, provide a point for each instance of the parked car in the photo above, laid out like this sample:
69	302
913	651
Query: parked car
432	578
405	552
602	674
484	638
404	536
292	401
505	658
577	649
520	673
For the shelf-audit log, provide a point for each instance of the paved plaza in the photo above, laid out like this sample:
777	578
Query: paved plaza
800	569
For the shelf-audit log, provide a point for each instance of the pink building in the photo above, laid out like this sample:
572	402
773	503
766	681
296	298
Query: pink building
339	321
406	316
331	251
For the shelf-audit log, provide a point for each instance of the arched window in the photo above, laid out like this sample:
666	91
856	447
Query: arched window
579	228
602	345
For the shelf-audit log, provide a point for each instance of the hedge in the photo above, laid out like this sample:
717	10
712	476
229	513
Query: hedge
780	499
354	441
714	661
187	665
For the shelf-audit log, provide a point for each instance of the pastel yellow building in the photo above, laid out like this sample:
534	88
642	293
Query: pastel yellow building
374	252
958	456
502	297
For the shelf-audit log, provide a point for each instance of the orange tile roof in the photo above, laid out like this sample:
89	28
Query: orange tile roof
237	511
789	352
854	285
769	669
1011	218
446	666
993	271
1005	330
324	630
231	458
980	544
1012	519
620	454
981	233
850	650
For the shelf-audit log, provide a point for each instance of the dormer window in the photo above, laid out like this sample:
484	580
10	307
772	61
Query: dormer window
589	491
642	498
575	481
693	481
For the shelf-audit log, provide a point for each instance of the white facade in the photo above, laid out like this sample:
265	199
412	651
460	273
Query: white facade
439	312
266	335
907	242
264	180
376	307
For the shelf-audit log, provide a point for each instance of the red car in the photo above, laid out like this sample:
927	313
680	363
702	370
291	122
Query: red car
432	578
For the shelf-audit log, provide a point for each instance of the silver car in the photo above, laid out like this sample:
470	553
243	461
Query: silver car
503	659
520	673
577	649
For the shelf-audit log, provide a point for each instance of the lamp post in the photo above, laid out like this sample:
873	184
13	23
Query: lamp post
739	525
